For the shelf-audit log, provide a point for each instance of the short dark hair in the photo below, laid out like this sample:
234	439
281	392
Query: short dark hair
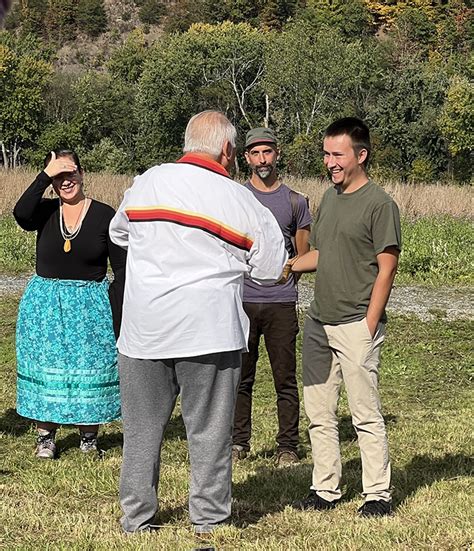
356	129
64	153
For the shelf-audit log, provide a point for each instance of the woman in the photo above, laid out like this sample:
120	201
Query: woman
66	355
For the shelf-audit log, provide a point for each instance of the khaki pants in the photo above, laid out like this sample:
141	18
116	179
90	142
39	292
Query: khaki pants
331	354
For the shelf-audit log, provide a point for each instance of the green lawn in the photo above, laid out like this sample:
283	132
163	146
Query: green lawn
72	503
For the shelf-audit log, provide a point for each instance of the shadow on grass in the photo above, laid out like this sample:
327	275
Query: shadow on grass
270	490
106	442
14	424
422	470
175	429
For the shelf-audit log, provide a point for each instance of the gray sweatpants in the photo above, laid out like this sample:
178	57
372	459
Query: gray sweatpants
149	388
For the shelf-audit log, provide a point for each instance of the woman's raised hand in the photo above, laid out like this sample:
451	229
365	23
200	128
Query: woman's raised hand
57	165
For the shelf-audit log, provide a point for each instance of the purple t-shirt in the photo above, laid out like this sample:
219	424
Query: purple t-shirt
279	203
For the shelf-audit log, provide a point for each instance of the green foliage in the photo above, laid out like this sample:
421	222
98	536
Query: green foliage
24	75
106	157
405	112
437	250
126	62
405	66
269	15
388	11
151	12
350	17
60	20
457	119
422	171
32	14
17	247
64	135
91	17
301	157
275	13
416	26
207	67
313	77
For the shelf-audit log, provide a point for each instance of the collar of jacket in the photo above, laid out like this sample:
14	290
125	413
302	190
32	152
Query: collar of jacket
208	164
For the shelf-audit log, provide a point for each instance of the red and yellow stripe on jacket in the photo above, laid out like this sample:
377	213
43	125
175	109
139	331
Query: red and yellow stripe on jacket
191	220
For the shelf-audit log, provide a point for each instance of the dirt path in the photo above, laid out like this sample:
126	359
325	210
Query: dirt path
424	302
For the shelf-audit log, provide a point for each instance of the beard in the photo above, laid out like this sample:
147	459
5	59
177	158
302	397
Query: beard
263	171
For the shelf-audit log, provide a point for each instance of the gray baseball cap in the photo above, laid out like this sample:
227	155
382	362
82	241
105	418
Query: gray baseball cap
260	135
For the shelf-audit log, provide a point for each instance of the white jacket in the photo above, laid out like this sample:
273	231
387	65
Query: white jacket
192	234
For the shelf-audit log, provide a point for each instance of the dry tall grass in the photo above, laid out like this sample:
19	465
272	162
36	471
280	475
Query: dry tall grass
414	200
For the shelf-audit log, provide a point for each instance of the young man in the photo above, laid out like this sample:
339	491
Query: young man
356	242
271	309
191	235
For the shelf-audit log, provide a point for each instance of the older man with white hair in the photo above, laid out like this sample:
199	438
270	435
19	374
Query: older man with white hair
192	234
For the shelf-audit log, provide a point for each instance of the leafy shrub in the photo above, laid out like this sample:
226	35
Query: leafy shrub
422	171
17	247
91	17
437	250
151	12
105	156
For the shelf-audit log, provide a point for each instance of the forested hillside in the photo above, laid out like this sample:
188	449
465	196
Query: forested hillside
118	80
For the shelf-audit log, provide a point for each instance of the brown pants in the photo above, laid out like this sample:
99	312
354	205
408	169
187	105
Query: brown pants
278	323
331	354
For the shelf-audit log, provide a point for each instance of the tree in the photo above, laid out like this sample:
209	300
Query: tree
23	77
457	117
60	20
386	12
126	62
32	14
217	67
405	116
151	12
311	78
275	13
350	17
91	17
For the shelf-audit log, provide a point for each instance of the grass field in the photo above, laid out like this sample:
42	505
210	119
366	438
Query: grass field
436	250
72	503
415	201
437	225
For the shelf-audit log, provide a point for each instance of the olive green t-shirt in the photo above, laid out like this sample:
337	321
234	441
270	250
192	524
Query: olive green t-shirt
349	231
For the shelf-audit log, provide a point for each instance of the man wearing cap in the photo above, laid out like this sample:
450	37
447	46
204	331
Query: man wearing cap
272	309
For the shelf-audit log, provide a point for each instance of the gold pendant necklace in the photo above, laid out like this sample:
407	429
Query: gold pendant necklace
68	237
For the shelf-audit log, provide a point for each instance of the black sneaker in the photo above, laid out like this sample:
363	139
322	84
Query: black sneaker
376	508
88	442
314	502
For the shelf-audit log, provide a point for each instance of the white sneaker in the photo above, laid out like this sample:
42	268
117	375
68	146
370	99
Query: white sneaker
45	446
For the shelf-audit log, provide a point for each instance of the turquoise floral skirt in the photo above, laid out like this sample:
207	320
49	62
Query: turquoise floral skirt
66	353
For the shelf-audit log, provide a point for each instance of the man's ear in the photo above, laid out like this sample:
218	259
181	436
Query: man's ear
228	150
362	156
